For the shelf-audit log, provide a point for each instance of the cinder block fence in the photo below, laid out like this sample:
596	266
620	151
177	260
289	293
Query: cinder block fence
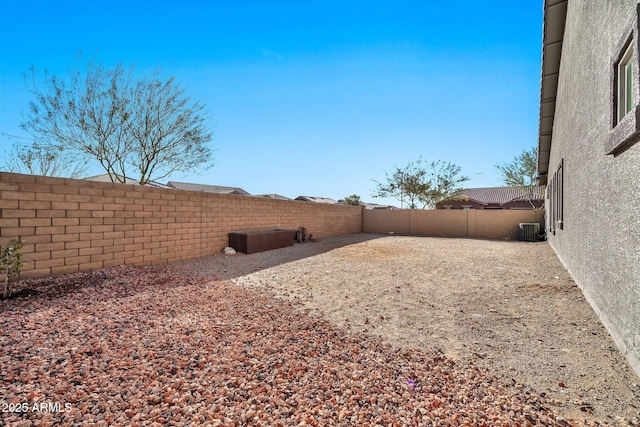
70	225
77	225
473	223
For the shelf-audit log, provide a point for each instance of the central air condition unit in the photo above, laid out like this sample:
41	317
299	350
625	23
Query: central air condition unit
529	231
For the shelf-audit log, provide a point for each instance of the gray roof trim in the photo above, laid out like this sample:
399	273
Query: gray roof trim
555	15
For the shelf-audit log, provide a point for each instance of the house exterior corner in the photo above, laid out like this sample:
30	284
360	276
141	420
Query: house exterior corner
589	156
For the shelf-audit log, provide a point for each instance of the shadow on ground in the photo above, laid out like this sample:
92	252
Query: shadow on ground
209	268
225	267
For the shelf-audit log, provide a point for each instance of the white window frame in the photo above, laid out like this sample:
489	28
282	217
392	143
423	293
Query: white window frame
625	83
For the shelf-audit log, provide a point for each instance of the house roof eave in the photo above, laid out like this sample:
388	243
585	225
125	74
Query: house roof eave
555	13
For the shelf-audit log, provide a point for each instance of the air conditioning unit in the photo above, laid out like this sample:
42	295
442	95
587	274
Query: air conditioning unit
529	231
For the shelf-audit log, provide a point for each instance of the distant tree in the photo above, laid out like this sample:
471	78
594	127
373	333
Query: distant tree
352	200
421	183
42	160
144	128
521	171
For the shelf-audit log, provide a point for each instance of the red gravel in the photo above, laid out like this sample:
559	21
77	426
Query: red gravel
151	346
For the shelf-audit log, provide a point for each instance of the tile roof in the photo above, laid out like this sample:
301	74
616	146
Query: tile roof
501	195
375	206
207	188
106	178
272	196
317	199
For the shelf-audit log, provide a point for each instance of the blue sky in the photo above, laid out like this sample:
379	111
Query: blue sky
312	98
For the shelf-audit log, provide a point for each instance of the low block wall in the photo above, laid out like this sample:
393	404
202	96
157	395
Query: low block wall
481	224
76	225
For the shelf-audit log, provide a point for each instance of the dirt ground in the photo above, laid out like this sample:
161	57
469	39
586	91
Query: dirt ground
169	346
508	306
204	342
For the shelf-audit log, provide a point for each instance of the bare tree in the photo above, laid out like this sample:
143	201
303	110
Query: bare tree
42	160
130	126
421	183
168	130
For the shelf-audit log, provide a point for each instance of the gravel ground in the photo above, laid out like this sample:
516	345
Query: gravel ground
183	345
510	306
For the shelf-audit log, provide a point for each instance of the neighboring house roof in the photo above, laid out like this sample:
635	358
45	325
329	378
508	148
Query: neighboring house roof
317	199
375	206
555	13
272	196
106	178
207	188
499	195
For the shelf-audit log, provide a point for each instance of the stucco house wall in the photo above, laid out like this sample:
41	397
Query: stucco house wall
599	238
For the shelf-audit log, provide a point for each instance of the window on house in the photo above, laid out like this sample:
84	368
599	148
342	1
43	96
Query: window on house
554	200
560	195
555	195
625	126
625	83
549	205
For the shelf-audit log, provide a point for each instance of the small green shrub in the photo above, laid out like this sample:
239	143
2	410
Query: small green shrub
10	263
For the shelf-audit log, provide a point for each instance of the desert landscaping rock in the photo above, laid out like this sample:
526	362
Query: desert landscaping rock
509	306
183	345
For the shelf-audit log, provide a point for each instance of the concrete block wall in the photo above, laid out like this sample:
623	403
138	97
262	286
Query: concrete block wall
499	224
76	225
454	223
481	224
386	221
